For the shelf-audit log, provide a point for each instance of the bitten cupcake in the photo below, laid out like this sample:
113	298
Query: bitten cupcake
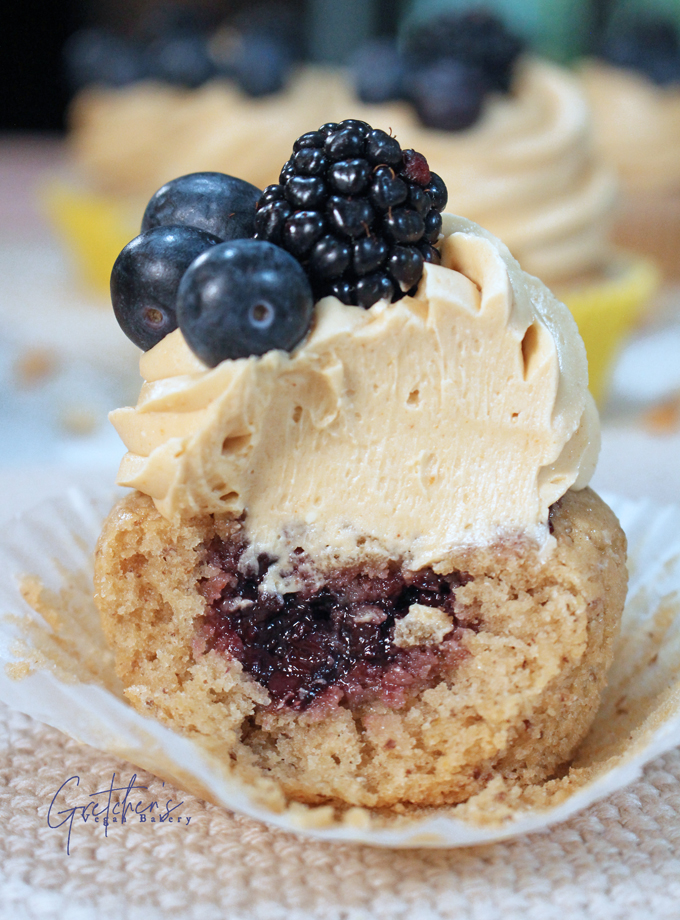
361	560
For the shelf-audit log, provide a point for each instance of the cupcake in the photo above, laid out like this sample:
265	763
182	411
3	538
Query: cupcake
511	135
508	132
634	93
361	561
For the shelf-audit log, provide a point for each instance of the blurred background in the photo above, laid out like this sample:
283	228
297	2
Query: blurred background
100	97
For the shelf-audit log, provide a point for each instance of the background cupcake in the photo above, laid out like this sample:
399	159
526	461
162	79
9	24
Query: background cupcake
634	91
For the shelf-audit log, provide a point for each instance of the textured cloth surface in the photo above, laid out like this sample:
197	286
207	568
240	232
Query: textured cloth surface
618	860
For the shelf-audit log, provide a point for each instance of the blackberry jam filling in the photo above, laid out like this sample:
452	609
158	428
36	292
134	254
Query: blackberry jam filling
323	645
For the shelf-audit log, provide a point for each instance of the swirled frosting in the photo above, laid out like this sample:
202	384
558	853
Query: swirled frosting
446	419
130	141
637	126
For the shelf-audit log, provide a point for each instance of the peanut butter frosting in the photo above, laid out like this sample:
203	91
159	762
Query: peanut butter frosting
454	417
527	170
637	126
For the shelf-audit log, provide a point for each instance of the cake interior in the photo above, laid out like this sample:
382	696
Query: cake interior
332	641
326	694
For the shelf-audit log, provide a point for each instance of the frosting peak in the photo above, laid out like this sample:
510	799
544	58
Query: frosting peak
444	419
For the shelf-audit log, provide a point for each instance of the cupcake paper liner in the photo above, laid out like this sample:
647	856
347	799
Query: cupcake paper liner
55	666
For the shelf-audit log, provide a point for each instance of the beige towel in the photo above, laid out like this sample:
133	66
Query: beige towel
618	860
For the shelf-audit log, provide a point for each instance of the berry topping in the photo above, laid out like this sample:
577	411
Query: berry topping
437	192
446	66
647	43
211	201
271	219
448	95
350	217
330	257
416	168
146	277
379	72
181	59
243	298
476	38
360	214
349	177
306	191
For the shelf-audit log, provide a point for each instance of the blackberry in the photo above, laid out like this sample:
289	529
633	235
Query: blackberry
361	215
646	43
476	38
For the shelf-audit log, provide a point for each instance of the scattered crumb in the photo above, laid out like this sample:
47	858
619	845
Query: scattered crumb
664	418
79	420
422	626
35	367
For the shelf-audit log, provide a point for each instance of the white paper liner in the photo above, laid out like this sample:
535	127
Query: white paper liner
60	671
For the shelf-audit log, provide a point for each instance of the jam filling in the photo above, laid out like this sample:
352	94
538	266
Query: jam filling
329	644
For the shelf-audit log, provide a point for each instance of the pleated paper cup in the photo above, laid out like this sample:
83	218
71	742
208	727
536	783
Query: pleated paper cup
55	666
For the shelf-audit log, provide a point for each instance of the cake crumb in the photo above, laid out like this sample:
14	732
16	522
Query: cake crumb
79	420
422	626
35	366
664	418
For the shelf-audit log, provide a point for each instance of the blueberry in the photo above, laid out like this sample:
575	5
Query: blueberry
350	217
301	231
378	72
368	254
182	60
405	265
330	257
243	298
349	177
98	56
448	95
211	201
306	192
404	225
373	287
146	277
271	219
262	65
